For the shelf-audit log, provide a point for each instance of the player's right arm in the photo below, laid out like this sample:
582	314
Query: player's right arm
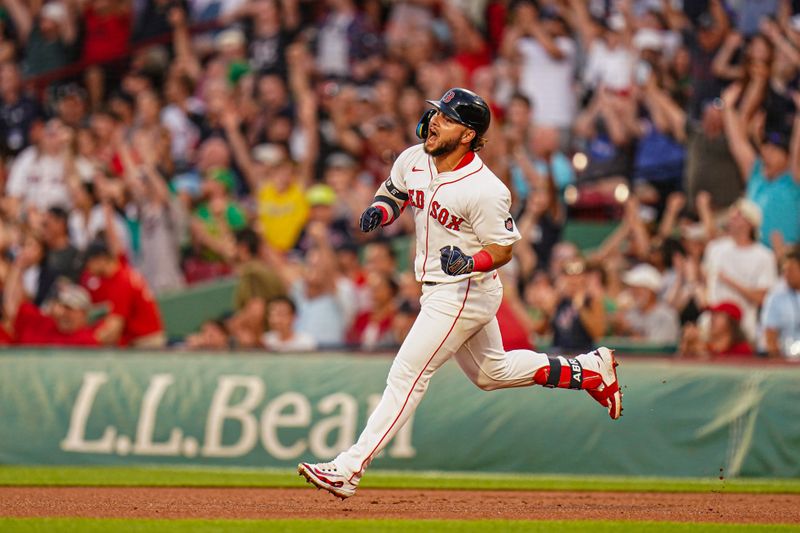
390	199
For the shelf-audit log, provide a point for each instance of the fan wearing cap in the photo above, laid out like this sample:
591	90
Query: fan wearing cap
780	316
214	223
323	218
133	316
737	267
772	176
725	335
47	35
63	320
649	319
282	204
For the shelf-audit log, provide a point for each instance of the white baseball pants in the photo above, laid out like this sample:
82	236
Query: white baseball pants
456	319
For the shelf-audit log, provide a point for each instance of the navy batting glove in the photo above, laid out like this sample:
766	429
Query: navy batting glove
370	219
455	262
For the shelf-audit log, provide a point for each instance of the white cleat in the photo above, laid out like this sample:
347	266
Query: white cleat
326	476
608	394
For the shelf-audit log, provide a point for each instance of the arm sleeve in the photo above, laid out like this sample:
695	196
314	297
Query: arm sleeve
393	193
492	221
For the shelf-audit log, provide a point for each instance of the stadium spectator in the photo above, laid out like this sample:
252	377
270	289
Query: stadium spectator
61	258
270	26
340	174
266	106
770	183
213	335
36	178
255	279
322	217
247	324
107	28
283	335
737	267
709	165
780	315
576	316
547	56
63	320
648	318
725	336
610	60
326	300
346	46
161	216
372	329
608	145
540	223
214	222
133	319
47	33
281	198
18	112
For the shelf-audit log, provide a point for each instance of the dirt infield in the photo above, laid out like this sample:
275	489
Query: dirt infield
208	503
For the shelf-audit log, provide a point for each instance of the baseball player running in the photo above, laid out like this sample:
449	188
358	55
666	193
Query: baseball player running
464	232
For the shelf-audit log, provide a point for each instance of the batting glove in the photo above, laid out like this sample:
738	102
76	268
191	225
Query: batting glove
455	262
370	219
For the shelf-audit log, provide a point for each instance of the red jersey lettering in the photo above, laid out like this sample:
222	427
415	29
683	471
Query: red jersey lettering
435	209
455	223
416	198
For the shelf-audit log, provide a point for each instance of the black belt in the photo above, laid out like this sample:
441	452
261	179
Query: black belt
430	282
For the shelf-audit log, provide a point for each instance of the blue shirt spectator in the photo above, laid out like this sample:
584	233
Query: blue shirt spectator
780	316
779	200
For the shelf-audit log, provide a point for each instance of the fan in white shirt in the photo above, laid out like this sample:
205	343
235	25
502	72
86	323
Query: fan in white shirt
282	336
738	268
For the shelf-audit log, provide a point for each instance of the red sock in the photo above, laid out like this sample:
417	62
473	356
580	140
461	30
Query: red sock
566	373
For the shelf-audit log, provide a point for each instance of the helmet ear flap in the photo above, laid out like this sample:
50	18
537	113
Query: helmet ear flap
424	122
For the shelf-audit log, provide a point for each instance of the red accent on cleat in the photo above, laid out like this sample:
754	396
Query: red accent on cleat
607	393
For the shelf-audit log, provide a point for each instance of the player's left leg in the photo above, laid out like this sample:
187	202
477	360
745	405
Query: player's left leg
490	367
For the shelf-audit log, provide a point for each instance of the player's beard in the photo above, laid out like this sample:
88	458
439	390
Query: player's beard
446	147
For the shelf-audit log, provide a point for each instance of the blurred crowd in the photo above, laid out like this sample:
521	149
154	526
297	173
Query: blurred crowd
148	145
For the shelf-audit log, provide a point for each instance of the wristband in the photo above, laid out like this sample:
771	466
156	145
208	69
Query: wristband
482	262
384	214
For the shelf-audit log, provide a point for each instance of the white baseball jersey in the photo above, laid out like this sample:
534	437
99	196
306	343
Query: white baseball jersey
467	207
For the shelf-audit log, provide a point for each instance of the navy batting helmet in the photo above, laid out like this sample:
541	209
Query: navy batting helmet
465	107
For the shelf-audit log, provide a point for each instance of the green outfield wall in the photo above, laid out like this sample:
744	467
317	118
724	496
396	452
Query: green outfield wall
272	411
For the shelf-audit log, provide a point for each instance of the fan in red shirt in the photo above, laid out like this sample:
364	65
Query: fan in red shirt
134	319
63	321
107	31
725	336
373	329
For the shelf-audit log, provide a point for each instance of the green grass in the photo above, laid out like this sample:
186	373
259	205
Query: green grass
66	525
199	477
